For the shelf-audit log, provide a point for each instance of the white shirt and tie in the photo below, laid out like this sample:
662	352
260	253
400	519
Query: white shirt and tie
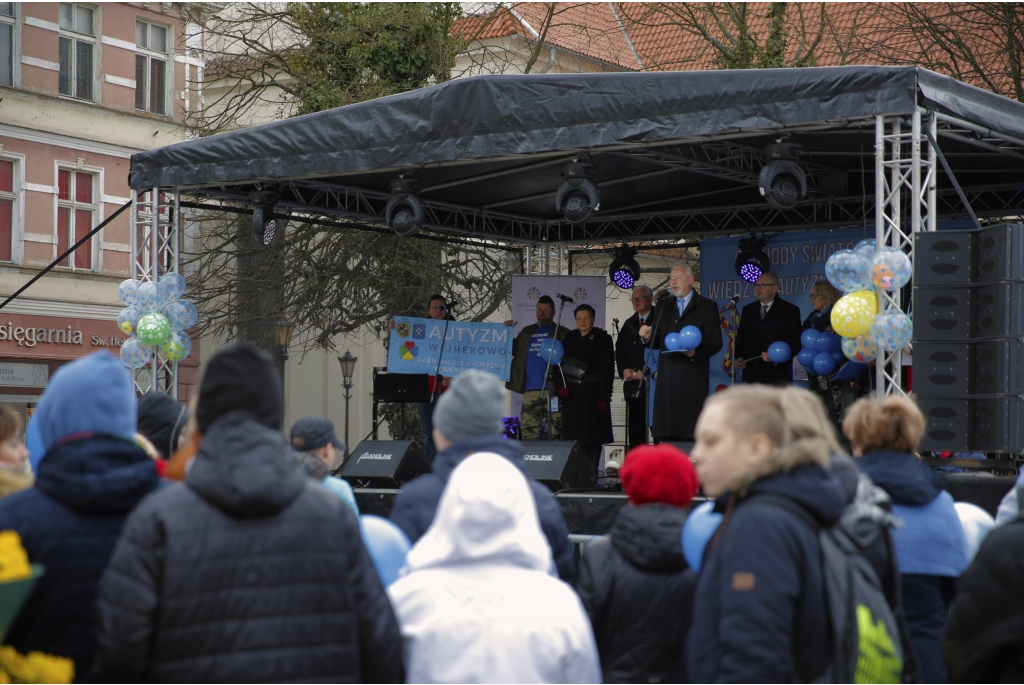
682	302
765	308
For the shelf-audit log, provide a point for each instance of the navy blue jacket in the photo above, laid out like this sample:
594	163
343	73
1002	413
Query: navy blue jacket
69	522
760	613
416	504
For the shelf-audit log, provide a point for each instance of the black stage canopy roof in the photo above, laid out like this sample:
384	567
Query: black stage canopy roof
677	154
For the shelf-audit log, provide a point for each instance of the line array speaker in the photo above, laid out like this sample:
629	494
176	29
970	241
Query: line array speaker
969	338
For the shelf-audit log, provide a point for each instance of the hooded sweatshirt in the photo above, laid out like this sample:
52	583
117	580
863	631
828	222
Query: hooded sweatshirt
414	508
91	476
476	603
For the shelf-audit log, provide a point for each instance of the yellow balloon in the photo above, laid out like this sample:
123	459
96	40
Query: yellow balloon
852	314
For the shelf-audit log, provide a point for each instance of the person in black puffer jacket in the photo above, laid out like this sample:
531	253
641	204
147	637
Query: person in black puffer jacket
635	584
248	571
90	478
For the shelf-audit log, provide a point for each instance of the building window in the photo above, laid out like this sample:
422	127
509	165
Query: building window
77	50
151	67
7	204
6	43
76	208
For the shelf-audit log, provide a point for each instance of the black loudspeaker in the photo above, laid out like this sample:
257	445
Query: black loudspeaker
946	258
384	464
558	464
969	338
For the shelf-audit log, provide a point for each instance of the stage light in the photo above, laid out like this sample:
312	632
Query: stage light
577	198
264	221
624	271
752	261
783	182
404	212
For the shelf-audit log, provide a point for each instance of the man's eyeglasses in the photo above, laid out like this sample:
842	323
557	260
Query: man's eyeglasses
763	285
641	298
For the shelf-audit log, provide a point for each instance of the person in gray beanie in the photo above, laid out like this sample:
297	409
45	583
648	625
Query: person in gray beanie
468	420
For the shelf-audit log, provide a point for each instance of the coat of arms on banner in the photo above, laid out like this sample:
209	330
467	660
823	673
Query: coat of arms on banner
419	331
402	329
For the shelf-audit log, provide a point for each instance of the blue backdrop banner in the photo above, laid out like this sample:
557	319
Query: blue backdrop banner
798	259
416	343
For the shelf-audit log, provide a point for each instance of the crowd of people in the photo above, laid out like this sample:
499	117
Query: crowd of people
252	565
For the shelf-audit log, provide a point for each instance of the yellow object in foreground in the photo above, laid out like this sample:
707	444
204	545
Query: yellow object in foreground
35	667
13	558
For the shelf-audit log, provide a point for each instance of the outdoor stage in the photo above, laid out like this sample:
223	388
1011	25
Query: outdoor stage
592	513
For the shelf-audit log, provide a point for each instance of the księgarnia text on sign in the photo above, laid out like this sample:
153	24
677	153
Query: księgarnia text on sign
417	343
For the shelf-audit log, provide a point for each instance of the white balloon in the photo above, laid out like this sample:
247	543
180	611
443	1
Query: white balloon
977	523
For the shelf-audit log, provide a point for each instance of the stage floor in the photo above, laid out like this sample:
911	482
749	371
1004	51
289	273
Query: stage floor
592	513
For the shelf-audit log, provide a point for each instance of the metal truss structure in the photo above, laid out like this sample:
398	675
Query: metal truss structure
155	244
905	203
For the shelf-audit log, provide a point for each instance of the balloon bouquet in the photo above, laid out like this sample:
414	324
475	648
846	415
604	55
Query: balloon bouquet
156	319
855	316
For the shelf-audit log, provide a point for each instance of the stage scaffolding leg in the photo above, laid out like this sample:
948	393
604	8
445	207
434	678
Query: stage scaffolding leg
156	243
904	205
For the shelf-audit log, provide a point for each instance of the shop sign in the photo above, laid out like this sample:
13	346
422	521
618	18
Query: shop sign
18	375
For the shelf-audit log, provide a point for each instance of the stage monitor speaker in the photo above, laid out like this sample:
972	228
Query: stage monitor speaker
401	387
384	464
558	464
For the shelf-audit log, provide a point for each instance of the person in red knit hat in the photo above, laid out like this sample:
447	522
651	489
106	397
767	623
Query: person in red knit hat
635	583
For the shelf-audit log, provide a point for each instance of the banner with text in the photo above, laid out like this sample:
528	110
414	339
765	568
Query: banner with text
417	343
798	259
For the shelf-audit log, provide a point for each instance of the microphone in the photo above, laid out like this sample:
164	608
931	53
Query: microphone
565	298
666	295
735	298
615	321
453	303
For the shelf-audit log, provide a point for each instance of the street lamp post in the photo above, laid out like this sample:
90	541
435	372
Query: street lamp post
282	338
348	366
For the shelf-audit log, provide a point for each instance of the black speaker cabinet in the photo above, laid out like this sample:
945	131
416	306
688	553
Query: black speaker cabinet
558	464
947	258
384	464
980	423
987	367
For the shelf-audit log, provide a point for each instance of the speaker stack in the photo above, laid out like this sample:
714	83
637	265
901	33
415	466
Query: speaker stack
558	464
969	338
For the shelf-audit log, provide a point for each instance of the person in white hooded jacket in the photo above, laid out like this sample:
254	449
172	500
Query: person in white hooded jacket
479	601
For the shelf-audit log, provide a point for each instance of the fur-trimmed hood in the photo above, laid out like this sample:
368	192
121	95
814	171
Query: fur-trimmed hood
802	452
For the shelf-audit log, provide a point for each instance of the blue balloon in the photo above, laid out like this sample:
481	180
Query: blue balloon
34	444
690	337
387	544
809	338
779	352
824	363
700	525
673	343
806	357
828	342
545	350
839	357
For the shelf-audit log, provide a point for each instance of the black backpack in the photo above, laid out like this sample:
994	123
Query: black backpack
867	647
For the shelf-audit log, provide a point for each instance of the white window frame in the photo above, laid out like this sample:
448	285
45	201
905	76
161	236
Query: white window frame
86	38
96	207
15	24
18	210
168	60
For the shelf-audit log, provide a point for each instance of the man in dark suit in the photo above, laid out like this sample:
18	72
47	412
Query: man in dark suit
768	320
683	377
630	352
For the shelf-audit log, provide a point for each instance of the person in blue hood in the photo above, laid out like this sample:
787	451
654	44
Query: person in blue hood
467	419
760	612
91	476
931	549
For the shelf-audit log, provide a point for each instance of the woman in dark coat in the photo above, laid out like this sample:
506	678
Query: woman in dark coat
586	396
635	583
823	297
